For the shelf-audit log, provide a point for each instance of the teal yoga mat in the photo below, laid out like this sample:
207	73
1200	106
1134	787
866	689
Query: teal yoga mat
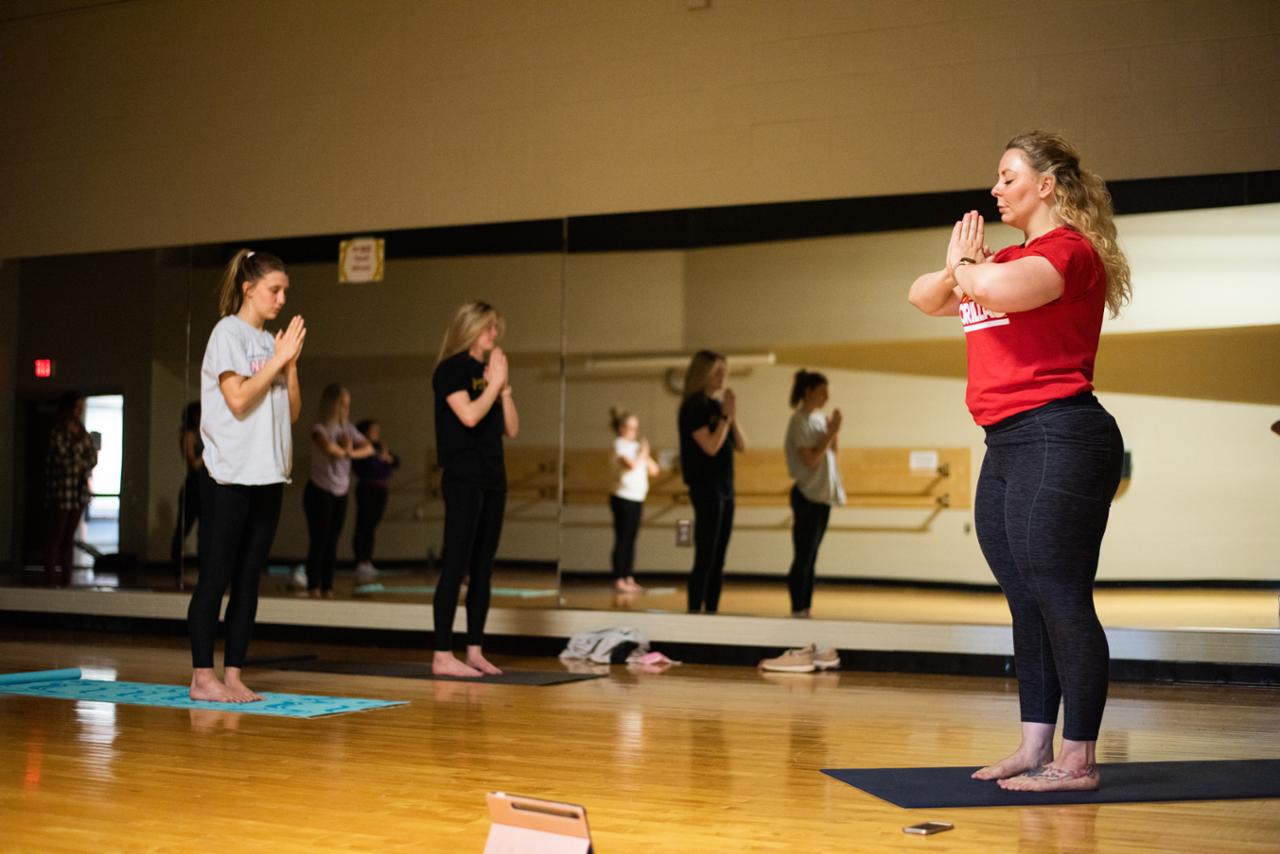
175	696
39	676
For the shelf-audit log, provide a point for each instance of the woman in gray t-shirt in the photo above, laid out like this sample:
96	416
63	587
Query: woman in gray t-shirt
811	460
249	399
335	442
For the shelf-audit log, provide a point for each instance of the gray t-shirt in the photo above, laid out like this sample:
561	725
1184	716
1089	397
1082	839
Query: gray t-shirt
820	484
256	449
333	474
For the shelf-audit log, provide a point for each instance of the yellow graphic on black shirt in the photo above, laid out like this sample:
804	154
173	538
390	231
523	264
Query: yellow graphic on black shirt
479	384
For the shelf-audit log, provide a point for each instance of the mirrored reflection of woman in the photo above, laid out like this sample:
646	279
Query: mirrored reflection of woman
810	447
70	460
335	442
633	465
192	449
709	437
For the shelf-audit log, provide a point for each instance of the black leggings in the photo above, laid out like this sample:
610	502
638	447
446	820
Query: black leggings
807	530
712	525
626	525
472	526
188	513
371	503
325	515
237	526
1043	499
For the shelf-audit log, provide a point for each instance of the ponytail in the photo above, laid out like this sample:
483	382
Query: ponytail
804	381
245	266
618	416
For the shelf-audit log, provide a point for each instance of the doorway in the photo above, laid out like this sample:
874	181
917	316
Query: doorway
99	529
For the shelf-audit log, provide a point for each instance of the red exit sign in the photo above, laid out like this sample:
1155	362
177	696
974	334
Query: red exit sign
43	368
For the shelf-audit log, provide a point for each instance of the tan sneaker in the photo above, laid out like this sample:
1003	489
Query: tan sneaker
826	659
791	661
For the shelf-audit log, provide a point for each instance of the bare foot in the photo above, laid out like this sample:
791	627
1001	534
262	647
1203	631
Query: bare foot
205	686
445	664
240	693
476	659
1013	765
328	594
314	593
1050	778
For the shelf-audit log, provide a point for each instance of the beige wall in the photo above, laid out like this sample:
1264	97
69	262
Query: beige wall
148	124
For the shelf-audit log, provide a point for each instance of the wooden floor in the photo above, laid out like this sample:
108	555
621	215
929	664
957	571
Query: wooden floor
699	759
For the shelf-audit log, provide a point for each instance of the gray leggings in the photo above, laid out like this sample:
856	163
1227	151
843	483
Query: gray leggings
1043	499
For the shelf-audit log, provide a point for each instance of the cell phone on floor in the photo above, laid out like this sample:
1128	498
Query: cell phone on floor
925	828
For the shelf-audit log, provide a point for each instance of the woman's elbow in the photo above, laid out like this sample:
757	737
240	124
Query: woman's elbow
926	305
987	293
981	293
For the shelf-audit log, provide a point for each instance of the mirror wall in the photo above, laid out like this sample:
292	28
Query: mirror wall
1191	372
599	317
131	327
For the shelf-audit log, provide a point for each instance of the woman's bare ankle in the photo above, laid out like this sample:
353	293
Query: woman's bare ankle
476	659
206	686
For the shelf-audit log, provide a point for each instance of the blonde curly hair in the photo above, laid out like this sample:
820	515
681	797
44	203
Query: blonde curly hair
1081	201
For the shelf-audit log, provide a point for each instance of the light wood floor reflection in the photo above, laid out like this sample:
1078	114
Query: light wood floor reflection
1117	607
698	759
1162	608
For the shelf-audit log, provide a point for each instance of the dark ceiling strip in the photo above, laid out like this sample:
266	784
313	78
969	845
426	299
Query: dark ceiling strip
693	228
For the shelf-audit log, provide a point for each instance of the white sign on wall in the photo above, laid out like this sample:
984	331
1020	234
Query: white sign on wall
921	461
361	259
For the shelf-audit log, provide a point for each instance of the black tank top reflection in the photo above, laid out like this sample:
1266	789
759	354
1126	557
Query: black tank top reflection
473	454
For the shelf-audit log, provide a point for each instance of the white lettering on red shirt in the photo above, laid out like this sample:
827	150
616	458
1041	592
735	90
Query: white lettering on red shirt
975	317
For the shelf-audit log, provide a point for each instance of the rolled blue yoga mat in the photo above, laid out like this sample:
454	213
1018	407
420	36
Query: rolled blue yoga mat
40	676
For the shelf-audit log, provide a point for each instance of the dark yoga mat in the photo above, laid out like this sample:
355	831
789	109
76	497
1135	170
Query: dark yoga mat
415	670
1122	782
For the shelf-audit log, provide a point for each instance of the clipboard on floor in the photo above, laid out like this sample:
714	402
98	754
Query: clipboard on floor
533	826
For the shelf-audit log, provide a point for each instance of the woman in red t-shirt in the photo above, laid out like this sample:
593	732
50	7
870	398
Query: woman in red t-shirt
1031	316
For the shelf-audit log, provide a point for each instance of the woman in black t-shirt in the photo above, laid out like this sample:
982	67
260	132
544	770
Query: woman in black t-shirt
709	435
474	409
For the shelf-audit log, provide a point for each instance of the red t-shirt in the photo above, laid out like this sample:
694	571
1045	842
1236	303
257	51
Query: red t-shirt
1025	359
